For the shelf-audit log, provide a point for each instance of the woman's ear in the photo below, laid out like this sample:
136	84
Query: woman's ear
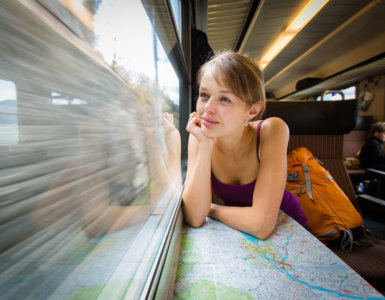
254	111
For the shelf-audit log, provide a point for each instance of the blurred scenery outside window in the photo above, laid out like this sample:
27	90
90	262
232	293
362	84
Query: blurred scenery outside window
8	113
90	151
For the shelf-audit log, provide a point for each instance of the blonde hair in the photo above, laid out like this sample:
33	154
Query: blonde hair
240	74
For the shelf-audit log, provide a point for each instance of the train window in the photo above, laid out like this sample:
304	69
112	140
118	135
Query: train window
91	183
58	99
176	8
349	93
137	55
9	131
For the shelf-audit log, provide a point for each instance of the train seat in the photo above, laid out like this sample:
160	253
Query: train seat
374	195
353	142
321	128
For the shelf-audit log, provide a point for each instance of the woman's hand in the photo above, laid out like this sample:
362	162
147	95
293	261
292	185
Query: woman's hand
194	127
197	190
168	123
213	207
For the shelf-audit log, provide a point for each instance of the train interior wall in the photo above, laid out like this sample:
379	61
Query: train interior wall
376	108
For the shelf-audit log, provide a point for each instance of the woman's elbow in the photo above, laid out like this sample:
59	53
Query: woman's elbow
262	230
264	235
194	220
193	215
196	223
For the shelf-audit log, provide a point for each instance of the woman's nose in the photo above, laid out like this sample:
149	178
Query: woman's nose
210	106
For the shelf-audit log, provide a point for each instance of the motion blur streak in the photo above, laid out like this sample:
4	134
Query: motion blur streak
89	173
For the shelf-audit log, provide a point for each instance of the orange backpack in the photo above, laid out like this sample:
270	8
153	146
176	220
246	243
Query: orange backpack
331	215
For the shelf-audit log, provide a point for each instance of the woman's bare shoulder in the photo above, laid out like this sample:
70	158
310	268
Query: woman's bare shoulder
272	124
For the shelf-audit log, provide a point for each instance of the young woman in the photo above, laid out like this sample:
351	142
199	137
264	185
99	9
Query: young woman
233	158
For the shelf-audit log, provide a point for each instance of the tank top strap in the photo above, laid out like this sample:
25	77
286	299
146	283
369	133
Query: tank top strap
258	138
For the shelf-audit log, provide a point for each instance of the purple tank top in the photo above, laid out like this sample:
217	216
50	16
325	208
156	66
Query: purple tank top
242	195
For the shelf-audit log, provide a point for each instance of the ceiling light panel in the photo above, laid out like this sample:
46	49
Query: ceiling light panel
225	22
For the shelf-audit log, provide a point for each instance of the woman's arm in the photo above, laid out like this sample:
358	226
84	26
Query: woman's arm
259	219
168	165
99	217
197	191
173	143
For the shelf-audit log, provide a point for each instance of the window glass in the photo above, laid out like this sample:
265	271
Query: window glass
92	178
58	99
349	93
9	133
176	9
137	55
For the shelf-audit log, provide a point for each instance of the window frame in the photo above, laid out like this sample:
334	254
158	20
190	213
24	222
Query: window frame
160	279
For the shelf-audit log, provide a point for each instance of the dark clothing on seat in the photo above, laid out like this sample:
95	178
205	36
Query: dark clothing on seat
372	154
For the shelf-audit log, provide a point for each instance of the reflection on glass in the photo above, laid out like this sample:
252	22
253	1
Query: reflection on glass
9	133
127	44
90	156
176	8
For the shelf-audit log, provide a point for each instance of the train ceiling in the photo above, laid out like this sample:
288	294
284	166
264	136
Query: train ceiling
343	43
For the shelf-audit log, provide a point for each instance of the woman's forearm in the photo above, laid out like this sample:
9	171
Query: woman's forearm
245	219
197	192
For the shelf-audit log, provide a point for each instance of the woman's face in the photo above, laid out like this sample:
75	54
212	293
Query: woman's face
221	112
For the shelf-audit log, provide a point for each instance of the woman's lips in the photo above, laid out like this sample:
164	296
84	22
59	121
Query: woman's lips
209	122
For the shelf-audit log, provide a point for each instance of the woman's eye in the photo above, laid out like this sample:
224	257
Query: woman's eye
225	99
203	95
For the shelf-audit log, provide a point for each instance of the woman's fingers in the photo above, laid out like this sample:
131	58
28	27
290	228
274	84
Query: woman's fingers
194	126
169	117
168	122
193	121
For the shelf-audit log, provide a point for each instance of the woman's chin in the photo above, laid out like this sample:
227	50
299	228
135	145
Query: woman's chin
209	132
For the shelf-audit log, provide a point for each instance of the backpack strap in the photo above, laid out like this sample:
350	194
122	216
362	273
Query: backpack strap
307	179
331	232
347	240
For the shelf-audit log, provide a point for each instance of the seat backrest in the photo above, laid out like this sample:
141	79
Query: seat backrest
320	126
315	117
353	142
